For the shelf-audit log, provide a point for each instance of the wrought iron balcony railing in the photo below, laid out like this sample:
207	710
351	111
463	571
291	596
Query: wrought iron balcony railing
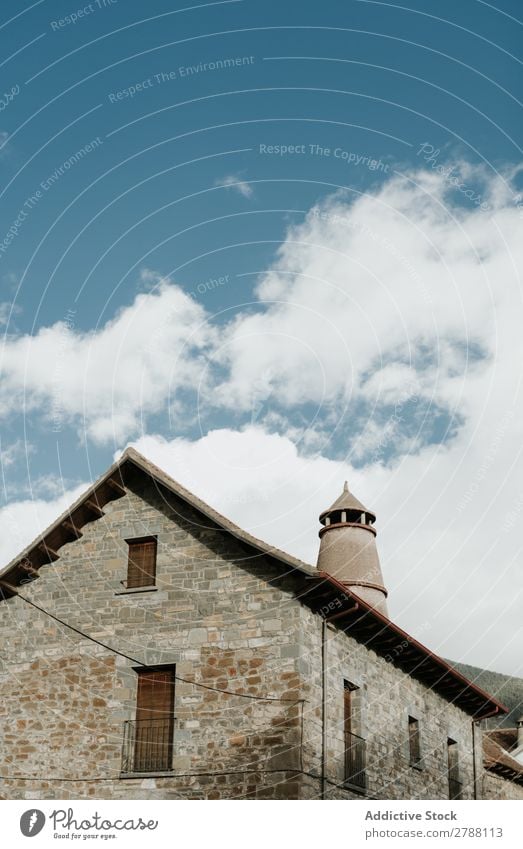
147	745
355	760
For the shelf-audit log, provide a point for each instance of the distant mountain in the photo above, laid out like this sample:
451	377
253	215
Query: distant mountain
507	689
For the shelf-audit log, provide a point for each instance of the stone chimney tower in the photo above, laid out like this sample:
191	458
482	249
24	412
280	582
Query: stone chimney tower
348	549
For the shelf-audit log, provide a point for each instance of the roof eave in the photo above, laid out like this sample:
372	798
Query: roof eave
485	704
31	556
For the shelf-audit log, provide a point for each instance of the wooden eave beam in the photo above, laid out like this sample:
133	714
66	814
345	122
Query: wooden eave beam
48	551
28	568
70	526
9	587
116	487
94	507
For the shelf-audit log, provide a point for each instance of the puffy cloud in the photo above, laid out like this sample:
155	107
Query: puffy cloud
448	542
397	294
368	295
22	521
382	312
107	378
14	451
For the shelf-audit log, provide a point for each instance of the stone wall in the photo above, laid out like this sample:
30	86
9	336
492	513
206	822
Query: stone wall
496	787
388	696
225	626
229	620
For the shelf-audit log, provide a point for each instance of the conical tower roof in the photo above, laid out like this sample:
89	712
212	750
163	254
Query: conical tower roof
347	501
348	550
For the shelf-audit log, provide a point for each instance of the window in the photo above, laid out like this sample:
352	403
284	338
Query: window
453	769
141	565
414	742
148	740
354	744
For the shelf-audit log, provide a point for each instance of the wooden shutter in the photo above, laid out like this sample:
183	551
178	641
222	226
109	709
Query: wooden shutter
355	751
154	720
141	567
155	697
453	769
347	711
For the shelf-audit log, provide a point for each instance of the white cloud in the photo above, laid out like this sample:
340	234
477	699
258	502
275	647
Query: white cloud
7	311
397	283
106	379
449	544
234	181
22	521
397	294
454	576
397	298
10	454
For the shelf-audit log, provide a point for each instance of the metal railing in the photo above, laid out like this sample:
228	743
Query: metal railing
355	760
455	787
147	745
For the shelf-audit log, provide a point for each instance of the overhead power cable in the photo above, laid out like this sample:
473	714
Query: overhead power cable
141	663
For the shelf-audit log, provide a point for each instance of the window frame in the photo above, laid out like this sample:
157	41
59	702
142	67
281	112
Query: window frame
414	742
454	769
141	748
352	735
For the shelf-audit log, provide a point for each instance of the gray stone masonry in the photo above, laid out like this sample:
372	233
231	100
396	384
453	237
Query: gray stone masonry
229	620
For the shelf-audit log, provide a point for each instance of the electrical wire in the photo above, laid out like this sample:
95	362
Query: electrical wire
141	663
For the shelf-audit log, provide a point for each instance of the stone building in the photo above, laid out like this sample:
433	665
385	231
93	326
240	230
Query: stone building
503	761
152	649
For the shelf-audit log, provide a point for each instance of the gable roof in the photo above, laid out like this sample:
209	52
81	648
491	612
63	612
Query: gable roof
371	627
110	486
315	589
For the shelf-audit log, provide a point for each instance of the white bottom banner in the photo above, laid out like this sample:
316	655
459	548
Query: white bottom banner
253	825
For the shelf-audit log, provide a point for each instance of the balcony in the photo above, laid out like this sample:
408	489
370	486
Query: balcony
355	761
147	745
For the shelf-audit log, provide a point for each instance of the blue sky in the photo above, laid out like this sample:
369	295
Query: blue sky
275	245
